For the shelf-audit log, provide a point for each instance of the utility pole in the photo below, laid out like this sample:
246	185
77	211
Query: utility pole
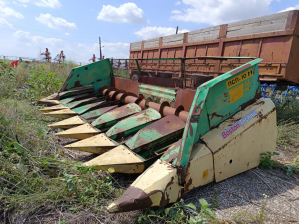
100	48
177	29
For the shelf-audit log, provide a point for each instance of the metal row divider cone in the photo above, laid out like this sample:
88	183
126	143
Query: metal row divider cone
128	132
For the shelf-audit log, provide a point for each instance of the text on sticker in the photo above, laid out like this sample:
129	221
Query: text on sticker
240	78
238	124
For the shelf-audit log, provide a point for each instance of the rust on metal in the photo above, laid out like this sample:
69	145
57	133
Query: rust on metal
276	44
111	117
98	112
164	82
165	130
184	97
87	89
127	85
73	98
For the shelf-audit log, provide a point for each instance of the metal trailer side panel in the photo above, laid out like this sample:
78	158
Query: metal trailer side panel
272	38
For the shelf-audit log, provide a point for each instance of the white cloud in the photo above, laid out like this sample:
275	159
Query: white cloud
290	8
176	12
153	31
55	22
217	12
178	3
6	12
126	13
5	24
27	37
67	34
43	3
19	4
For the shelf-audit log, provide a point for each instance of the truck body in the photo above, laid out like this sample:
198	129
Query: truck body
274	38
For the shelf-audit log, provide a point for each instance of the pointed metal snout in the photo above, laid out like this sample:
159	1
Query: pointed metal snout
68	123
53	108
120	159
50	100
80	132
157	186
64	113
98	144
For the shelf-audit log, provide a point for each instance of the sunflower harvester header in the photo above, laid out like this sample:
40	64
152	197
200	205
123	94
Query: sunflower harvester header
174	150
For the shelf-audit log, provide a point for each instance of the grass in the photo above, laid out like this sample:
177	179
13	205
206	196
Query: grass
288	131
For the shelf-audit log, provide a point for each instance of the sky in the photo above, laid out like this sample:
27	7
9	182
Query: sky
27	27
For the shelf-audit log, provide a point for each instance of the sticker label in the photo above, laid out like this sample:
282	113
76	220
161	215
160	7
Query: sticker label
246	88
238	124
236	93
205	174
238	79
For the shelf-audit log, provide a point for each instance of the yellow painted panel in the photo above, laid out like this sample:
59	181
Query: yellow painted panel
122	159
200	170
123	168
68	123
238	142
98	144
65	113
52	102
230	128
54	108
160	176
243	152
81	132
100	140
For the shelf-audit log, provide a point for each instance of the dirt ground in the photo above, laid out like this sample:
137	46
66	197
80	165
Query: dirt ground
244	198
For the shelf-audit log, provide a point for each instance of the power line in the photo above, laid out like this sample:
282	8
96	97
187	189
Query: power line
54	37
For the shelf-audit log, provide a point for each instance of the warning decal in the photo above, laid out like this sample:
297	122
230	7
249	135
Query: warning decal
205	174
236	93
238	79
238	124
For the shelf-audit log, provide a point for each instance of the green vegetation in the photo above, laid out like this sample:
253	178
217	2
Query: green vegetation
288	133
266	162
122	73
180	213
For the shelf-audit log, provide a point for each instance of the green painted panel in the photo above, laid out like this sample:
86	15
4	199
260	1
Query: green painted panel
112	117
214	102
160	132
92	106
158	91
97	112
133	123
67	100
222	102
96	74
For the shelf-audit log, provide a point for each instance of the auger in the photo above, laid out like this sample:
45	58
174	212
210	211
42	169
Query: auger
175	150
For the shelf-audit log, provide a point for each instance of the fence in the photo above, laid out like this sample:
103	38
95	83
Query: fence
13	58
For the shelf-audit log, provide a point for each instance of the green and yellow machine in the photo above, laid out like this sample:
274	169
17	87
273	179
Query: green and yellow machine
210	134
